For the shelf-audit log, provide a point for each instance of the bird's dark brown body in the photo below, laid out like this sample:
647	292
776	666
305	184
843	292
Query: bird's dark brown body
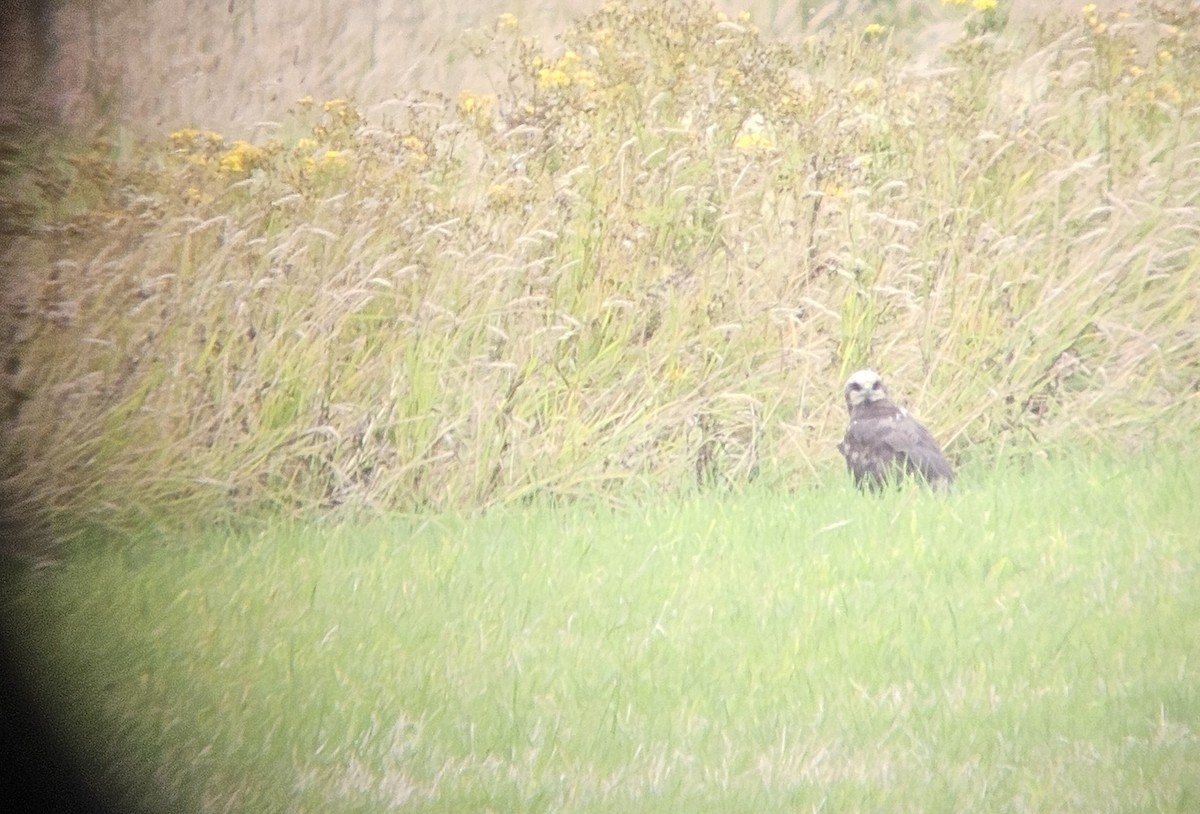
883	443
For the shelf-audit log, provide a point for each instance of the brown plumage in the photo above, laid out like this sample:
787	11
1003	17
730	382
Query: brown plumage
883	443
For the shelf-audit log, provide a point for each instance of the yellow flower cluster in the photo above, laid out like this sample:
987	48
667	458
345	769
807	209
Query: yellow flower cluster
182	139
477	108
335	158
418	154
501	195
874	30
979	5
330	161
1168	92
604	37
205	157
342	110
507	22
752	141
564	73
832	189
189	138
1093	19
755	134
241	157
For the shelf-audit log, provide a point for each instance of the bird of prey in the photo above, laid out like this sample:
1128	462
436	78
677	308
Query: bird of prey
883	443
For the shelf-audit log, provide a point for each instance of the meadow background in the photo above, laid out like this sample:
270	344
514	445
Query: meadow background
439	413
638	256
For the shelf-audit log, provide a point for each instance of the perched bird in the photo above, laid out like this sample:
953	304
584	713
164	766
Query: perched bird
883	443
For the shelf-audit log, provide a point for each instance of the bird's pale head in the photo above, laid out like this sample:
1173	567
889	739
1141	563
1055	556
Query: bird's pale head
863	387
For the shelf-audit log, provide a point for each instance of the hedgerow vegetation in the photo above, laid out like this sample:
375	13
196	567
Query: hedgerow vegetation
644	261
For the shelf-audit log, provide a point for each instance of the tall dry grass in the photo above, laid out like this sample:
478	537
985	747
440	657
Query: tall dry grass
168	63
645	263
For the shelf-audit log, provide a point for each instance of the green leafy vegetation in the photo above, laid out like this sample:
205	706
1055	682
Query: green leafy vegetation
642	264
1029	642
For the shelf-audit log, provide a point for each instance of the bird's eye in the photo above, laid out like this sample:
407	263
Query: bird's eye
878	384
855	386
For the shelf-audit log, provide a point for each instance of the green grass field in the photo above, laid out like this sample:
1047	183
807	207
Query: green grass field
1028	643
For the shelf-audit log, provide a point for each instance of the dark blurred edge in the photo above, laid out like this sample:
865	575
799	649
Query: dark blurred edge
37	770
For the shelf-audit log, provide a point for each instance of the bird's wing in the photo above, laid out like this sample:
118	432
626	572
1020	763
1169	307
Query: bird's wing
907	436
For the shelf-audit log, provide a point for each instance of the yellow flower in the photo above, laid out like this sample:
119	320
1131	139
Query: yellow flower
1089	10
755	134
1135	71
501	195
722	17
342	110
417	155
305	144
184	138
507	22
553	78
1165	56
330	161
983	5
832	189
476	108
744	17
874	30
751	141
233	162
241	157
